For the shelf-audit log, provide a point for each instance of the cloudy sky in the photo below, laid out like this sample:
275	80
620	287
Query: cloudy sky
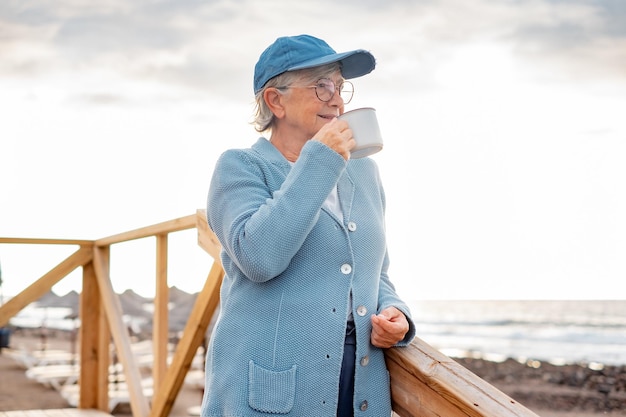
504	127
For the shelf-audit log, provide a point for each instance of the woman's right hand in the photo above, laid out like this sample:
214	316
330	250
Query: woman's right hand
337	135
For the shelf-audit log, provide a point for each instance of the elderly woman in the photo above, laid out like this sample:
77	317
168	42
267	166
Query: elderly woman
306	304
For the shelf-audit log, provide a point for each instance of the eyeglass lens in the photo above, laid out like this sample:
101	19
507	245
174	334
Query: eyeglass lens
325	90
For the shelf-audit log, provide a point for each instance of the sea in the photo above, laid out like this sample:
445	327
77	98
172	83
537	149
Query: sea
561	332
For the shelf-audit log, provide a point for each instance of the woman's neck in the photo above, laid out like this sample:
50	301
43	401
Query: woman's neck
288	143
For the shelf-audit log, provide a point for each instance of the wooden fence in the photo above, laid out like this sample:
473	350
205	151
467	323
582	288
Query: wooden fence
424	382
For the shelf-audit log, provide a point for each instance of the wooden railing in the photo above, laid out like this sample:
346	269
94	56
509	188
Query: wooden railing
424	382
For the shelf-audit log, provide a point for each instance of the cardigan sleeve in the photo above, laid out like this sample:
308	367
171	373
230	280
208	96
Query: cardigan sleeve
262	220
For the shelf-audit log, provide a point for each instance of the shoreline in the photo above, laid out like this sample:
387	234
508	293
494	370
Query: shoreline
549	390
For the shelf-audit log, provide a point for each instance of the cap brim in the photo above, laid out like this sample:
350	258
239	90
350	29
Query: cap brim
353	64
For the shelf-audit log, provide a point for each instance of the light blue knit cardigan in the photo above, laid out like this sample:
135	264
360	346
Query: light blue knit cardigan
290	268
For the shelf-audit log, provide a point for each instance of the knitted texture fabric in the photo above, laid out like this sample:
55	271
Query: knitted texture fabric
292	268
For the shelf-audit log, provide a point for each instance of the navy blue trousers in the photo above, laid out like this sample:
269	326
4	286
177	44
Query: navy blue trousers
346	379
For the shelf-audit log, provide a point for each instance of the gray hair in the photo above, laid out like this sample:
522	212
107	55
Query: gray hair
263	117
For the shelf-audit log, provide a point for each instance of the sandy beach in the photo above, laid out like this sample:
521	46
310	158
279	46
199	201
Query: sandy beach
548	390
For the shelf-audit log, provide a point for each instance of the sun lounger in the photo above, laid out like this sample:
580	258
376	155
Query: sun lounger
54	357
118	393
70	392
195	379
27	359
54	375
194	410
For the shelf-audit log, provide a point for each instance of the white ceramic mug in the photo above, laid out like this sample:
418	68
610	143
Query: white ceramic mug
365	131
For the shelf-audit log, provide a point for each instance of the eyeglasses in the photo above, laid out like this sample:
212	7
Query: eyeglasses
325	90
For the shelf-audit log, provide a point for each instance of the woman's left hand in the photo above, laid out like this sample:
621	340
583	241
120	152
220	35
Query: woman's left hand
389	327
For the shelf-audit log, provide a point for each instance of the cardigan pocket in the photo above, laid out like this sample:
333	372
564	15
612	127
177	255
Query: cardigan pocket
271	391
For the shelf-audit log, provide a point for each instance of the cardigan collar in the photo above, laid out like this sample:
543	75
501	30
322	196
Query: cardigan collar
269	152
345	185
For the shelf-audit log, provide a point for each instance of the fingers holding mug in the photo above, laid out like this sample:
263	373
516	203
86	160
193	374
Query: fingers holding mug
338	136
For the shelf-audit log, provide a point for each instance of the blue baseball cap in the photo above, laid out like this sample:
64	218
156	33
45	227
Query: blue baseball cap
292	53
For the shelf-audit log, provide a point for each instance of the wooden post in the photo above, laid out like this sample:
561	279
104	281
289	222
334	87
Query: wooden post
160	329
94	343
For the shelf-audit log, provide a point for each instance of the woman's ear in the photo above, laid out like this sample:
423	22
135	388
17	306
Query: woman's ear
274	101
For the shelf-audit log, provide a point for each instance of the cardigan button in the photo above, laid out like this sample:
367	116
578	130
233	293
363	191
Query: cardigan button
351	226
346	269
363	406
361	310
365	360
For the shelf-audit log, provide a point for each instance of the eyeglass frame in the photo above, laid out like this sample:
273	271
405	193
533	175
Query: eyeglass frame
325	87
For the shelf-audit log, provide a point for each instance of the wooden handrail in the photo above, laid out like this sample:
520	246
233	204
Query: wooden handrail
424	382
176	225
37	241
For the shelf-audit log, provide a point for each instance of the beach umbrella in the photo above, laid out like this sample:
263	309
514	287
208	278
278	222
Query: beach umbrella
178	296
133	304
51	299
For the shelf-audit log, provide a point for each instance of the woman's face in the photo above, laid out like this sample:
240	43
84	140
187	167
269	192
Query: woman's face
305	113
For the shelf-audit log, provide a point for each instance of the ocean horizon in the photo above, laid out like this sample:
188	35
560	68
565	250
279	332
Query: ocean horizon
555	331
